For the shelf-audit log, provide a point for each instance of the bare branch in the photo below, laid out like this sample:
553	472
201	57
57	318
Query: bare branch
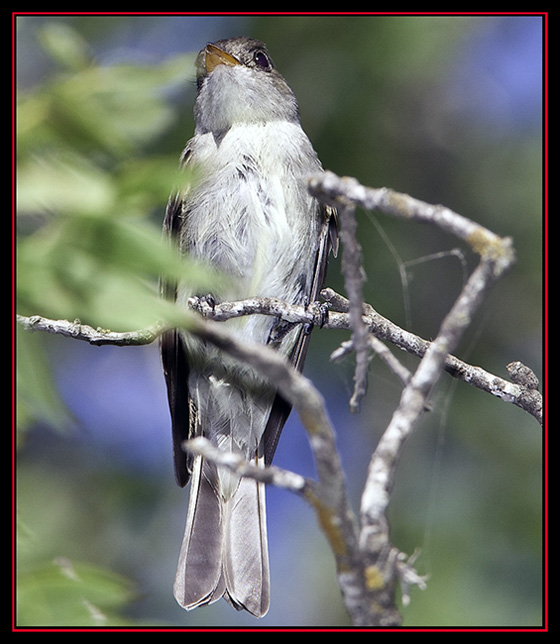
223	311
328	497
517	393
496	257
330	188
375	498
271	475
87	333
353	278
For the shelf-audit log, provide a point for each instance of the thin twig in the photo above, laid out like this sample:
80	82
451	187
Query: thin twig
353	274
377	491
96	336
330	188
272	475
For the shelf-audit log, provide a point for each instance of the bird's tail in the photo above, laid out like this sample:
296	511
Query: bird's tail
224	551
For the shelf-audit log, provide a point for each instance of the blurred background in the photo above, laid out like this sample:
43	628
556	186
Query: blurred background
446	109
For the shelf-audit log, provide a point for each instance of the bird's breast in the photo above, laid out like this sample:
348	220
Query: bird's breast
251	215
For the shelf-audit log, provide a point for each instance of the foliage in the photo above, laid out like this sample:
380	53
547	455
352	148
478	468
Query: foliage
87	249
66	593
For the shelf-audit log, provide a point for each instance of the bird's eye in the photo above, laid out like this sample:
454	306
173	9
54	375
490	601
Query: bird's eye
261	60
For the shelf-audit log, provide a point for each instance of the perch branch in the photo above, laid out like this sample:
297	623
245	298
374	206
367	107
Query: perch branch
96	336
526	396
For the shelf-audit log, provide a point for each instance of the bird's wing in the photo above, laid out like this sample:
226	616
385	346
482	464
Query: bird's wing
175	364
328	242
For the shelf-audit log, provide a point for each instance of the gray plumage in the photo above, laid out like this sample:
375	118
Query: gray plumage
249	214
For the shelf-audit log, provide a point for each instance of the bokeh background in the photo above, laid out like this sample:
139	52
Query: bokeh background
447	109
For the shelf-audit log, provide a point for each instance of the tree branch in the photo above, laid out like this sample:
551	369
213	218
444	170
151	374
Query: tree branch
271	475
353	278
329	188
98	336
328	496
377	491
496	257
519	393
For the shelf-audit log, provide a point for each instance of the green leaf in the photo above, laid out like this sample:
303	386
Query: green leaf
103	271
64	182
65	45
65	593
86	187
112	109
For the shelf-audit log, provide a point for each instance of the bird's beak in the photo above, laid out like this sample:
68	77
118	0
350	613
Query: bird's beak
216	56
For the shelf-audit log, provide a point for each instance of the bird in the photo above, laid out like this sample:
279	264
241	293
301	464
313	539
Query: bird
246	213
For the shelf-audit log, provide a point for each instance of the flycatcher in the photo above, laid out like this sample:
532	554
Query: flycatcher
248	213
